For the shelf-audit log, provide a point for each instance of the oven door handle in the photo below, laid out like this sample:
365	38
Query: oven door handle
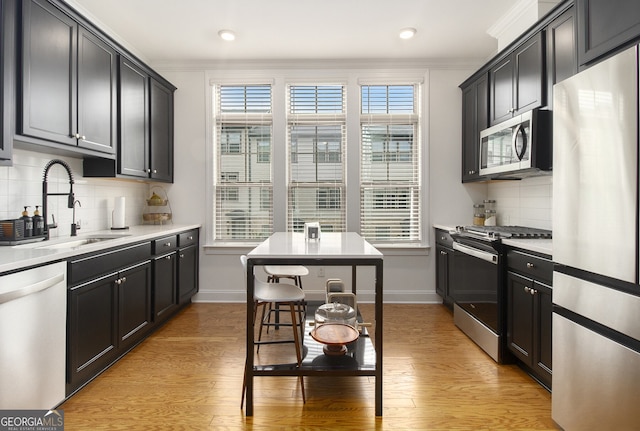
486	256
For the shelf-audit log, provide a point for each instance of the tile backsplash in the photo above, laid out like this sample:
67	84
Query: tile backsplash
21	185
526	202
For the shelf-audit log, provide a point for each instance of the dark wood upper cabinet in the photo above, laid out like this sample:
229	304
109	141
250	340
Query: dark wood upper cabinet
516	81
562	52
145	118
475	107
7	78
133	145
68	81
161	148
604	26
97	85
49	65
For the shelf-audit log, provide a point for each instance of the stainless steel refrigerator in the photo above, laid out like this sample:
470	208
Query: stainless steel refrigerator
596	296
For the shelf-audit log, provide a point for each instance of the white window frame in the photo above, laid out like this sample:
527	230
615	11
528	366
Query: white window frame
353	78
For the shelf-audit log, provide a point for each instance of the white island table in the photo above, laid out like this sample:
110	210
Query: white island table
333	249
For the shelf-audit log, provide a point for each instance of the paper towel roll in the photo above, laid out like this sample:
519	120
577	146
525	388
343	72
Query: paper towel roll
118	213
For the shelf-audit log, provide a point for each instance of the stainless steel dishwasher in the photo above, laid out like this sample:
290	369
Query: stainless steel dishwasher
33	310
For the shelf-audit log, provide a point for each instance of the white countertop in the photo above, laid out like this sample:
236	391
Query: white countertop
331	245
32	254
544	246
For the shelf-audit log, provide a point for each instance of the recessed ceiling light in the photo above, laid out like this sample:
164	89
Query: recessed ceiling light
407	33
227	35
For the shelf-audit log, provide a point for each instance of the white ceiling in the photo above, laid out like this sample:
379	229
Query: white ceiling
186	30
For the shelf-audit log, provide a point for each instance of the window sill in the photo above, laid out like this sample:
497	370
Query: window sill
232	248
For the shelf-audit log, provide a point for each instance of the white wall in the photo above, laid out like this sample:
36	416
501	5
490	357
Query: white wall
409	276
21	185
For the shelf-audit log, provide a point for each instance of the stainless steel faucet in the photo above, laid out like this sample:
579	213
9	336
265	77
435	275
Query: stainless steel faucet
45	194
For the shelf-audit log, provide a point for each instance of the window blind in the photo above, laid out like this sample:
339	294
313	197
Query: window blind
243	174
316	137
390	164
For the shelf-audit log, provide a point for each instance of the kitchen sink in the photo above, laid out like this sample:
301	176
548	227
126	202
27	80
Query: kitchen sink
75	243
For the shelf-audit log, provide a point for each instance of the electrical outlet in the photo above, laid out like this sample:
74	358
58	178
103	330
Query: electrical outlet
320	271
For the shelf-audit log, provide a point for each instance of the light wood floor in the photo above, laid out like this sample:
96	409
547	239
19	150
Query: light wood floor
188	376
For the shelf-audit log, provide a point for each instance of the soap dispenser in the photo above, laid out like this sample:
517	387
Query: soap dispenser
38	222
28	223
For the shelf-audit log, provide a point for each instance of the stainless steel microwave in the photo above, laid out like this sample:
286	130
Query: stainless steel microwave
517	147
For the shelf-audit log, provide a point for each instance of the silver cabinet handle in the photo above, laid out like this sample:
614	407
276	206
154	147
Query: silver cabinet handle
167	244
155	171
530	265
182	255
190	238
168	257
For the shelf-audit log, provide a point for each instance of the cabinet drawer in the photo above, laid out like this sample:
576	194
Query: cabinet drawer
165	244
443	238
534	266
188	238
85	267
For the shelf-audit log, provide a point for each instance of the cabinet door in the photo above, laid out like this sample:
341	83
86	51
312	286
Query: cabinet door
165	297
134	304
161	132
606	25
187	273
501	85
520	317
542	364
562	51
97	63
442	271
7	79
49	39
528	75
475	106
93	338
133	141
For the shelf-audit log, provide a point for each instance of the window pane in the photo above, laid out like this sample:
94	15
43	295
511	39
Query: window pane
390	164
311	99
316	144
388	99
390	214
248	152
388	153
243	190
248	217
323	204
316	153
245	99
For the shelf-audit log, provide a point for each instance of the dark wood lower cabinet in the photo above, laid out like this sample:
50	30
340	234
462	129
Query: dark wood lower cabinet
529	315
92	340
187	273
134	304
165	287
118	296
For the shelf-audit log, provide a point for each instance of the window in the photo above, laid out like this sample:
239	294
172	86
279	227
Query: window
316	138
243	184
390	164
344	151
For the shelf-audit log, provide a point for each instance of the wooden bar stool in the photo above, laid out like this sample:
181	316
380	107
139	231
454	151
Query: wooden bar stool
274	274
281	294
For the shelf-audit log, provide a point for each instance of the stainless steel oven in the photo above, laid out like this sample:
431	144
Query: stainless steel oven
475	287
477	283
